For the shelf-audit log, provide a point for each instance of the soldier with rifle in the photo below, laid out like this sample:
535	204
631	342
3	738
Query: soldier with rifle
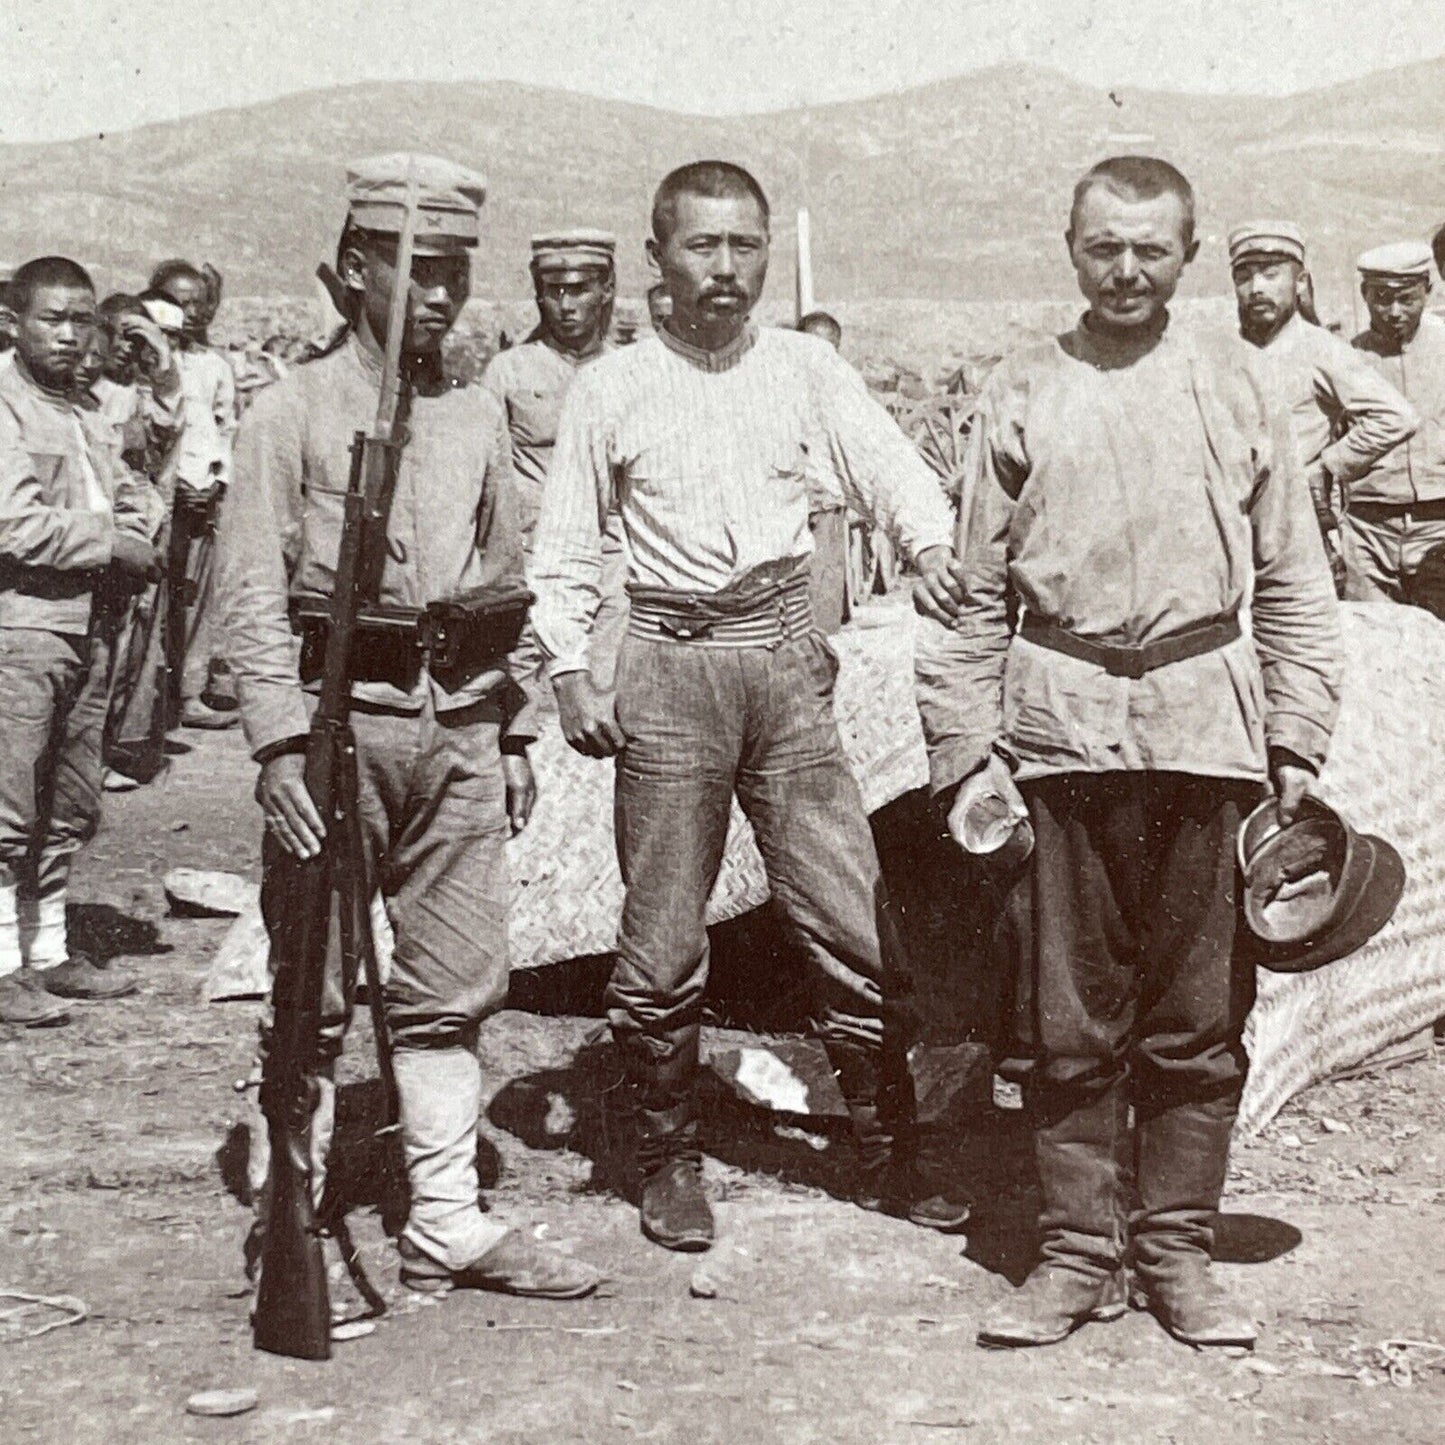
393	752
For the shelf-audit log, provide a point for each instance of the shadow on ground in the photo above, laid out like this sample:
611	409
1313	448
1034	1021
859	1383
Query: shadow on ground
102	933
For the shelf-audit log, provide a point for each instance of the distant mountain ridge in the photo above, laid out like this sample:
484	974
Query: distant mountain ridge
953	190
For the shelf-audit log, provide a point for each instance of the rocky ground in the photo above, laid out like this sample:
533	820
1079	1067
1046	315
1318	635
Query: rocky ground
121	1176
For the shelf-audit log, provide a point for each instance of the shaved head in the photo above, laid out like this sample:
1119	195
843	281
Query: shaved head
1136	178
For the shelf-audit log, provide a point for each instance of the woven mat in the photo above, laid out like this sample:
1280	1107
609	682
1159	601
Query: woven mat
1386	768
568	893
1386	764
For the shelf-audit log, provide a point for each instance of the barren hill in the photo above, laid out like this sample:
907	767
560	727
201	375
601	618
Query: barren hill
953	190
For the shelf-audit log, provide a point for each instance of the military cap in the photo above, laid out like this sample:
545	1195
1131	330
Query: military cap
1267	238
1402	262
449	198
576	248
1315	890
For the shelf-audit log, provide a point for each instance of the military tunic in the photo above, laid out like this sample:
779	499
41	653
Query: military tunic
432	795
64	497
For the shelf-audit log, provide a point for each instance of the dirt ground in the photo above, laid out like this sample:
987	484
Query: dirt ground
120	1176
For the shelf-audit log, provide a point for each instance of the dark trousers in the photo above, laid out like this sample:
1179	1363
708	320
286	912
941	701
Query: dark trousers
1126	923
1128	992
703	724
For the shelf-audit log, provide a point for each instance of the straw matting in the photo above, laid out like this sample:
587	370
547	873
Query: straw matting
1385	772
568	893
1386	766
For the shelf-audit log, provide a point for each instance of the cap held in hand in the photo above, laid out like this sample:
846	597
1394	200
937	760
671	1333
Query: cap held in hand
1315	890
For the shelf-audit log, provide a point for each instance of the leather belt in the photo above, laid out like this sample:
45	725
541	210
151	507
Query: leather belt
1123	660
757	617
1433	511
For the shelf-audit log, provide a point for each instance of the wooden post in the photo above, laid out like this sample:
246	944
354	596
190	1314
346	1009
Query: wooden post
804	298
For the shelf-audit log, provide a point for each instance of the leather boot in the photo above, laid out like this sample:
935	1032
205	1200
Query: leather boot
1183	1158
894	1156
662	1072
1079	1276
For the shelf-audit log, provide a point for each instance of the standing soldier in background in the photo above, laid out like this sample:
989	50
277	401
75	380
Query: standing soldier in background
709	438
573	273
140	396
441	752
72	550
1129	487
1396	512
200	473
1346	416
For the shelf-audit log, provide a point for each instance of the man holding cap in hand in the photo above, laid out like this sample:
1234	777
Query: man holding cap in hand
1128	486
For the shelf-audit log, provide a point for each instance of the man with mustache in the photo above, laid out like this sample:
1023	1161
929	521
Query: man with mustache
1346	416
441	752
1396	512
72	551
575	282
710	438
1128	487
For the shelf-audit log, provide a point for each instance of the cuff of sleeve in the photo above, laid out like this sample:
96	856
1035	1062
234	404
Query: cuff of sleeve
557	666
1340	462
1306	740
272	713
951	763
927	544
280	748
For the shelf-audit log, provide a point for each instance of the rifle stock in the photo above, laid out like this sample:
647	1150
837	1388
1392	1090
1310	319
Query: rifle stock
293	1308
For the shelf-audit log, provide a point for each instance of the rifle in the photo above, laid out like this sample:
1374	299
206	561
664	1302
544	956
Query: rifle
292	1314
141	714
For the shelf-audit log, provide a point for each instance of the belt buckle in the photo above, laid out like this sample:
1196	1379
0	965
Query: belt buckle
1127	662
685	629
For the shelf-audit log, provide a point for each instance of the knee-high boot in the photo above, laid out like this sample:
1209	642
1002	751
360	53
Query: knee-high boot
1078	1143
1183	1158
662	1077
894	1154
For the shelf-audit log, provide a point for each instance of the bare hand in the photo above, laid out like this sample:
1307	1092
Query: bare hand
521	790
589	716
290	812
1291	787
989	818
135	556
938	593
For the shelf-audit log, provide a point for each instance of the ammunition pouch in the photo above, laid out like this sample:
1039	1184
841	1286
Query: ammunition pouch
454	639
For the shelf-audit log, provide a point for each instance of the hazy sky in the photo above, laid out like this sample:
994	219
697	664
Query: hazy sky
77	66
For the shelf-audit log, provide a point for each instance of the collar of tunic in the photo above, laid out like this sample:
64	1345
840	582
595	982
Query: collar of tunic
723	359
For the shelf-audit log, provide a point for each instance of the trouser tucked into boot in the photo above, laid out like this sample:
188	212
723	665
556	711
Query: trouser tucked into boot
1128	992
1183	1158
662	1078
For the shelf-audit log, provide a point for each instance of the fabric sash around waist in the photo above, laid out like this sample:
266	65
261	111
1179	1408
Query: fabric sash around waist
762	616
1134	661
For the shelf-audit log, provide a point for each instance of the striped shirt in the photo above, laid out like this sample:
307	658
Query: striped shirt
714	461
